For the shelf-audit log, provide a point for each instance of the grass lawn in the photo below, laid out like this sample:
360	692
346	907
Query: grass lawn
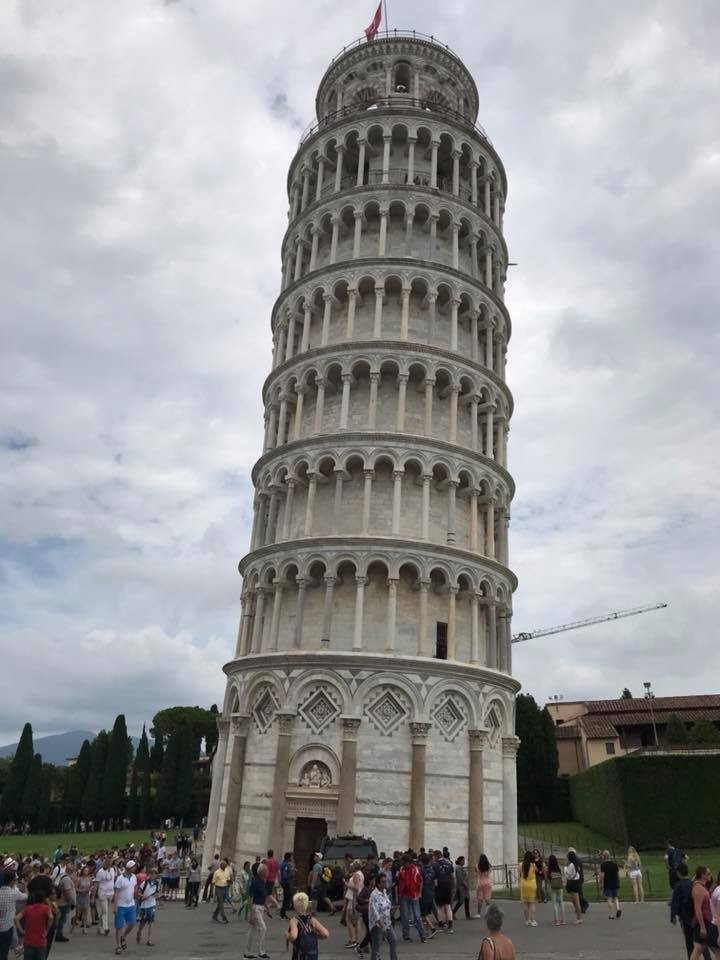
46	843
557	837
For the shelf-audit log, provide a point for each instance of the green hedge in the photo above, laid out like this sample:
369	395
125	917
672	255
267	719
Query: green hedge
645	800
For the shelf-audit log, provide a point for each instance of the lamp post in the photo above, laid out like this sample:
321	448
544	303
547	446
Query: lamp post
650	696
556	698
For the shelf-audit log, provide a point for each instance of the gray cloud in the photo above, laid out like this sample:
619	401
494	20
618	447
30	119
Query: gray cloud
141	215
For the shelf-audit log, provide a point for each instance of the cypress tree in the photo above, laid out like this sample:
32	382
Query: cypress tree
113	788
167	784
211	736
43	805
90	805
156	754
676	731
132	800
12	798
76	782
142	764
31	794
537	762
184	787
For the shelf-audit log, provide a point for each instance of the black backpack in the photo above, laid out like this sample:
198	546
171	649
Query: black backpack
306	945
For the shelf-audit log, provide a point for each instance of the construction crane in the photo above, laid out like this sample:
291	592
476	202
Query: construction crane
576	624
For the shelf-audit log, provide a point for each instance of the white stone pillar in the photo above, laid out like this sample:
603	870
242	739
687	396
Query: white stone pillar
305	188
320	178
352	299
473	182
488	268
289	500
360	584
372	410
456	173
272	426
490	530
496	209
299	612
280	346
319	404
405	313
423	618
340	150
402	383
492	657
307	323
310	506
290	346
473	403
282	420
328	609
213	832
427	478
367	496
474	339
327	317
387	139
474	519
315	231
429	384
361	164
434	163
488	344
259	620
382	239
474	629
377	323
299	244
474	256
272	517
452	599
299	403
347	379
510	839
409	220
454	305
337	502
397	501
295	200
433	234
454	391
452	492
432	309
391	615
487	196
489	433
411	159
335	221
275	623
358	234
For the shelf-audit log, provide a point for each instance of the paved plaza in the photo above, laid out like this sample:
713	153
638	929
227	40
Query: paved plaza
644	932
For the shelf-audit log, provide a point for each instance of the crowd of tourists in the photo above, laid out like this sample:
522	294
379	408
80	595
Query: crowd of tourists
44	901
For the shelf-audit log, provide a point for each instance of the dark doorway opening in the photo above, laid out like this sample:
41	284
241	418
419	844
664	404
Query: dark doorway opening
309	835
440	641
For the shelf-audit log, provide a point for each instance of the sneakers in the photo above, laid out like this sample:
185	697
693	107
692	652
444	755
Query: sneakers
533	923
433	933
618	914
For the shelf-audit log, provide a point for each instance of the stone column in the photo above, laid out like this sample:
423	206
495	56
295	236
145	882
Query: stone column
340	150
432	309
391	615
299	403
487	196
429	384
456	173
474	628
233	775
320	177
307	323
433	173
473	403
489	433
411	159
327	317
213	835
454	391
397	501
337	503
488	345
290	346
476	806
277	608
474	257
419	733
295	200
328	609
492	657
282	420
433	235
387	139
456	246
348	776
508	640
473	182
347	379
405	314
335	221
377	322
315	231
289	499
357	236
305	188
425	535
509	750
367	495
360	584
276	837
299	244
310	506
402	393
474	339
352	299
281	344
382	239
258	511
490	529
361	164
423	618
372	408
452	600
272	515
454	304
319	404
452	490
409	220
474	494
496	209
299	612
258	628
488	268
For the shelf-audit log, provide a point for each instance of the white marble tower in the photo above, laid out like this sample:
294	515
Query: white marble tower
371	689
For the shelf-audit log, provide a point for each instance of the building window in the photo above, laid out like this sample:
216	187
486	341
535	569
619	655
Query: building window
441	641
610	749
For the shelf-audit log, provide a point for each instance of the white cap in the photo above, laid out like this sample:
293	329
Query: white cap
130	864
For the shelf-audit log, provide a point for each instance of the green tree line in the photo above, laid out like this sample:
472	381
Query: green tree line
110	780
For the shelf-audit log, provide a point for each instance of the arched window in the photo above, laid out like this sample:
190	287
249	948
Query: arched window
401	79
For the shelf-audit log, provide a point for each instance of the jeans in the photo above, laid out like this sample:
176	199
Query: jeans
5	941
34	953
103	908
558	905
192	892
287	899
256	934
63	914
220	903
410	913
375	935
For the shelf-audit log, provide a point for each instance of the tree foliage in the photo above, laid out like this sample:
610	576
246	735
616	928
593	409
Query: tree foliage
114	779
626	695
76	781
200	722
537	763
703	731
31	793
91	803
142	765
167	782
676	731
12	798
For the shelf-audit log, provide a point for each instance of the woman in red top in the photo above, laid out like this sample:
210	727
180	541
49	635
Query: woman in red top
33	923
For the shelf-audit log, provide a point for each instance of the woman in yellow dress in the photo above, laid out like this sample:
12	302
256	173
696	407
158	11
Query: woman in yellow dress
528	889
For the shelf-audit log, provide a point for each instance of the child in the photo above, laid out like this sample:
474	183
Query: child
148	902
33	923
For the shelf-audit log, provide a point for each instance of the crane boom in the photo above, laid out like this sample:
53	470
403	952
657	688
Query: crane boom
576	624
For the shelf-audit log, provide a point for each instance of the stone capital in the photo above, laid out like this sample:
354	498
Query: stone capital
239	723
361	581
419	732
398	474
478	739
350	728
222	724
510	747
285	722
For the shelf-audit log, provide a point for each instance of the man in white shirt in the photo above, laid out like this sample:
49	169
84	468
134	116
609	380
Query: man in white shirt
148	902
104	888
124	904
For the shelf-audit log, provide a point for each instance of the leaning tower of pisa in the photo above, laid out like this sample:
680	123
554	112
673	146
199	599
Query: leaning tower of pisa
371	689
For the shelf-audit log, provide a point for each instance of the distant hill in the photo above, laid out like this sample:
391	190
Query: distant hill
57	747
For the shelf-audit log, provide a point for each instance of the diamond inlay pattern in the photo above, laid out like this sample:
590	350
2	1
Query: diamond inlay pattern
449	718
263	712
319	710
387	713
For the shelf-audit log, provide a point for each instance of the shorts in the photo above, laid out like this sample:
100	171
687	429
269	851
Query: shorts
270	887
610	893
634	874
124	916
443	894
173	883
146	914
711	935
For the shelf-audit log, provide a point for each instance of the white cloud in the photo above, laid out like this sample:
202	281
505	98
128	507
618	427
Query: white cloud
143	154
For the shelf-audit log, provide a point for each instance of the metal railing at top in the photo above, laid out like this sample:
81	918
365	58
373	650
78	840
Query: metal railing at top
394	101
391	35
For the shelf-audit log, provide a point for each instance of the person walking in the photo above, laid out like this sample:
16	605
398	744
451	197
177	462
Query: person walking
444	874
207	892
572	883
483	885
610	872
304	930
633	866
409	888
272	866
353	885
33	924
528	889
255	944
242	884
554	878
539	865
124	905
462	893
673	859
148	904
221	878
287	878
7	912
83	887
380	921
704	931
496	946
66	901
104	886
427	896
192	884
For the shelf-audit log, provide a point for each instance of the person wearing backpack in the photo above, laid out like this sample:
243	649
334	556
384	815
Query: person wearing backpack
409	888
444	874
554	877
287	876
304	930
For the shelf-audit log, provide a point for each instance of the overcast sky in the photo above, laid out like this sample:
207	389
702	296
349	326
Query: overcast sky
144	147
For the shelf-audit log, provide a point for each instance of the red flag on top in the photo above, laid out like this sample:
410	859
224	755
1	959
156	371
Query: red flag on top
375	24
